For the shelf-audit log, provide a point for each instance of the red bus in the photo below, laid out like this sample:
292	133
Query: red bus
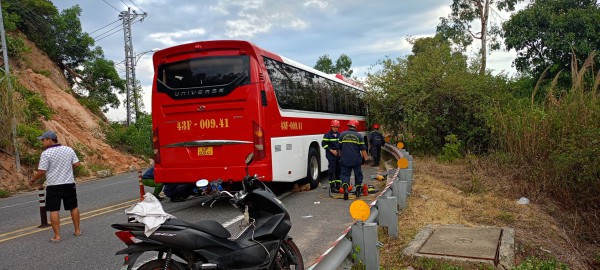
213	102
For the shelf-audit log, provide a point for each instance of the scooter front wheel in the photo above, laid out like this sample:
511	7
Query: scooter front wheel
288	257
159	264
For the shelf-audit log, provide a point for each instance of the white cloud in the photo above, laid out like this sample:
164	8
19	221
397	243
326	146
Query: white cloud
179	37
384	46
323	5
246	27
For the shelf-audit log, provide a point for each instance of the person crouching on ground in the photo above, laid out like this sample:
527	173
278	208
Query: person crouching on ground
148	180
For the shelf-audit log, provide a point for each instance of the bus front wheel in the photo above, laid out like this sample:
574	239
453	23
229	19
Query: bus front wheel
313	168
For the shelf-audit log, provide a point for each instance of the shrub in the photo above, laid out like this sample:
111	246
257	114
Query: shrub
135	138
533	263
452	149
16	47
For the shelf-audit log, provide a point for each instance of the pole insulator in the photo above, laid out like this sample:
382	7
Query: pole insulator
43	215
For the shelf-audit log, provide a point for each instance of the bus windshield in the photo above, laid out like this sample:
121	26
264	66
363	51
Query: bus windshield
216	74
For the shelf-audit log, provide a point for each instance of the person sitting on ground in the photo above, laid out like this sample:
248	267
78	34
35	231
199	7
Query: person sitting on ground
148	180
179	192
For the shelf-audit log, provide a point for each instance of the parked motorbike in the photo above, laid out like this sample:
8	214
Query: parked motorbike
262	243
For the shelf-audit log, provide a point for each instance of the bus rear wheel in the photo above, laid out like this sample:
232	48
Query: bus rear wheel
313	170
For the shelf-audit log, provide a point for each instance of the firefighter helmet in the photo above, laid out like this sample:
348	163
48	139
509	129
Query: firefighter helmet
375	125
335	123
353	123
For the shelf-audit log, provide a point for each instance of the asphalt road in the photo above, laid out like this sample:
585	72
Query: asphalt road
317	219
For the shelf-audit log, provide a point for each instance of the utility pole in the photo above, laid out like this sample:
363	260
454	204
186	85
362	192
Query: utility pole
130	84
9	92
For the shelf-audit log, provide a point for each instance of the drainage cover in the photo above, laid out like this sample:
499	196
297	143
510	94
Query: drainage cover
463	242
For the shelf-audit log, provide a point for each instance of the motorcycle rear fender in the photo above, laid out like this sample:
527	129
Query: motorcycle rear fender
132	259
133	249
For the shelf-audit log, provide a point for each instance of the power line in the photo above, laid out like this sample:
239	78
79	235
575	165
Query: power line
97	38
137	6
104	27
125	4
111	5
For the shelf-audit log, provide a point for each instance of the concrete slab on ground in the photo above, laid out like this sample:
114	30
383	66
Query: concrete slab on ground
487	245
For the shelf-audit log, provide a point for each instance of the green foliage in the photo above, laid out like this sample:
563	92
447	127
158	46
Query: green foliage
135	139
4	193
430	94
30	158
342	65
533	263
29	134
16	47
35	106
546	32
81	171
432	264
44	72
99	83
60	35
452	149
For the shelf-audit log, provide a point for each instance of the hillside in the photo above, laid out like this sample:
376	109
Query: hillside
75	125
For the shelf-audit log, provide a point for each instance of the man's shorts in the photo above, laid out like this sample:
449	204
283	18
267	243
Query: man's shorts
66	192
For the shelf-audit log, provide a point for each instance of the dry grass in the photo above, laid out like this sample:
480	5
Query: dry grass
474	193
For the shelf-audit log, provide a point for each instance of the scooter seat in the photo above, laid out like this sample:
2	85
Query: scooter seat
208	226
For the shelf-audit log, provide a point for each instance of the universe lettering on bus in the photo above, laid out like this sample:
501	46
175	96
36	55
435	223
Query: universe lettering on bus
211	123
194	93
291	125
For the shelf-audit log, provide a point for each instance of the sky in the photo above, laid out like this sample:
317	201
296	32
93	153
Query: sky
302	30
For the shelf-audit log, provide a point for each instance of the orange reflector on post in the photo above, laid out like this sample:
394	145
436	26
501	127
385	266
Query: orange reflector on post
400	145
402	163
360	210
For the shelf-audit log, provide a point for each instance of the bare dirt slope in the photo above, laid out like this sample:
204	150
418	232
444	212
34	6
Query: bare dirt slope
75	125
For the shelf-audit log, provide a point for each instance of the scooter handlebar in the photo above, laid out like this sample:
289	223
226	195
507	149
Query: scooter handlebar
217	197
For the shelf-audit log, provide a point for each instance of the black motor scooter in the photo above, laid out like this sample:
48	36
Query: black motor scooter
263	243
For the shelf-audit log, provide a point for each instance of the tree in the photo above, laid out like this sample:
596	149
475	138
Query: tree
99	82
429	95
457	26
342	65
69	46
547	32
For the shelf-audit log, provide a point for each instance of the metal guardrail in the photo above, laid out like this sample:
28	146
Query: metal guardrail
361	237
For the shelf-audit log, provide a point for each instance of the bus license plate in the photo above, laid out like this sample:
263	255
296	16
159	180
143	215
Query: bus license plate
205	151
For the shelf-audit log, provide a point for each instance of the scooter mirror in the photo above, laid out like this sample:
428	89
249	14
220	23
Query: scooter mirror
249	158
202	183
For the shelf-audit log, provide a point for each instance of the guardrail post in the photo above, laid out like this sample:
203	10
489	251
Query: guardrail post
141	185
43	215
364	241
388	214
409	179
402	194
